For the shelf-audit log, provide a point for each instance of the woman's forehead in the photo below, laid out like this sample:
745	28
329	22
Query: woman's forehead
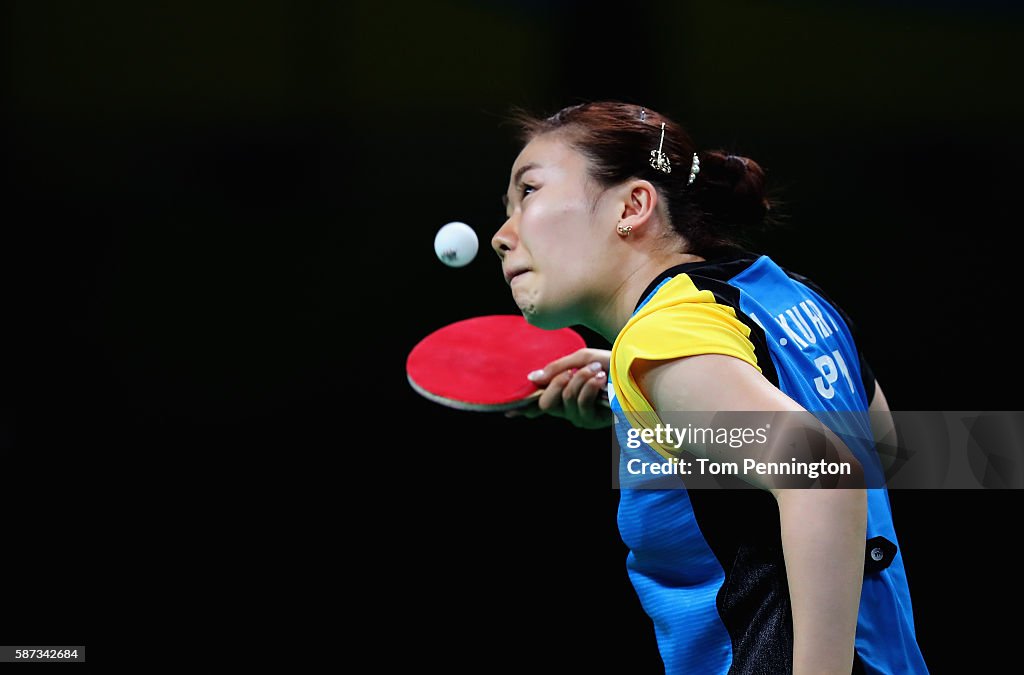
548	151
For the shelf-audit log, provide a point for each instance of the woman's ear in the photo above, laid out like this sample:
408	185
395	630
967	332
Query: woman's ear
638	202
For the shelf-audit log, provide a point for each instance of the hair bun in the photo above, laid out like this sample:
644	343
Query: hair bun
730	190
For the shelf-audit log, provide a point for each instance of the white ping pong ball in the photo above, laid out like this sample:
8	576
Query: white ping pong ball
456	244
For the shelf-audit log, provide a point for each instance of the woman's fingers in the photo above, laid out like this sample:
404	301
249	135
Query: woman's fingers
587	400
550	400
578	359
571	392
572	386
592	414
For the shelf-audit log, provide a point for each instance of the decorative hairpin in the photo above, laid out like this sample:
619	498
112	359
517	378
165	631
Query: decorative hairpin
643	114
659	160
694	169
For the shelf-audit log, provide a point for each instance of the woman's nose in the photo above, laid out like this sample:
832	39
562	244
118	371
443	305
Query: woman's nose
504	240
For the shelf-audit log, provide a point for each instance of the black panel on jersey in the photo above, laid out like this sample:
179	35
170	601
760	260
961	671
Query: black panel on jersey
742	528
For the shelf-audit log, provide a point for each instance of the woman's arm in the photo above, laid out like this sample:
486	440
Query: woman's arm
823	530
883	428
823	535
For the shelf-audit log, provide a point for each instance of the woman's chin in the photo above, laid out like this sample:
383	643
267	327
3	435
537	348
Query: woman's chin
546	320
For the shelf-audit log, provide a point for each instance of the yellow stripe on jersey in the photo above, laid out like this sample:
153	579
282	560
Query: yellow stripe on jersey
680	320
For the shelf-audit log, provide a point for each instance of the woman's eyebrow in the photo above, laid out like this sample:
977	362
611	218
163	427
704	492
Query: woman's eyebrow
515	180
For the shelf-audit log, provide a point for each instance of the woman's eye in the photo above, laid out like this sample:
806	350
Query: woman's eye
527	187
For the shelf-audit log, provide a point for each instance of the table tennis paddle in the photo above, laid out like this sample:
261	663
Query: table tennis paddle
482	363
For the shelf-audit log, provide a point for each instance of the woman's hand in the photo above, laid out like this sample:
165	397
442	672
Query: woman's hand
573	386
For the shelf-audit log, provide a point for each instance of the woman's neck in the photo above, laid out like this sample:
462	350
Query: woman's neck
614	314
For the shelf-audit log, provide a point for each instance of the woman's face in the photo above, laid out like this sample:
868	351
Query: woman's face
552	247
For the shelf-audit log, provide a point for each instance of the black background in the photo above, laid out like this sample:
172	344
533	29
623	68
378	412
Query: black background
222	222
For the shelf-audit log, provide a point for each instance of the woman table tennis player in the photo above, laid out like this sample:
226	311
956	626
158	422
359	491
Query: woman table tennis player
618	221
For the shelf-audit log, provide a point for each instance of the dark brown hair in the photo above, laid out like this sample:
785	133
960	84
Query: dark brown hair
721	208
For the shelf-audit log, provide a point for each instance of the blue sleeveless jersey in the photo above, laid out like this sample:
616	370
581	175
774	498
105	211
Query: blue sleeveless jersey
707	565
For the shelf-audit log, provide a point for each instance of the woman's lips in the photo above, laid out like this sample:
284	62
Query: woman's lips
515	274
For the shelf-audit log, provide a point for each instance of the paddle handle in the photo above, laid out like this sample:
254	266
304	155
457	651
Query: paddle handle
602	400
